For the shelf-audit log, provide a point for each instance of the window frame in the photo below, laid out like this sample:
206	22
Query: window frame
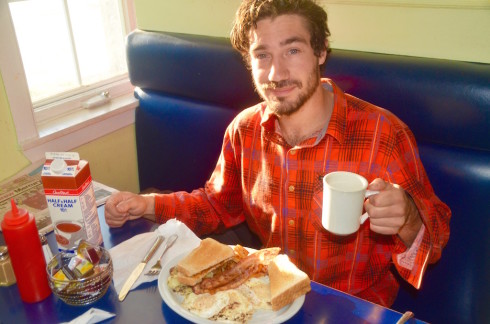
42	131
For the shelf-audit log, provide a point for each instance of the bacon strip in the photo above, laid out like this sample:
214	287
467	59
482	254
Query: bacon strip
247	267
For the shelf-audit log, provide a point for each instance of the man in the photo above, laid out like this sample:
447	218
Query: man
275	154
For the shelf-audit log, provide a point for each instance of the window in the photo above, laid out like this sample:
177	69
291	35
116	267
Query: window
60	57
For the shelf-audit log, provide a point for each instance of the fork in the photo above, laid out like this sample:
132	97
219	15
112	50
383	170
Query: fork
157	267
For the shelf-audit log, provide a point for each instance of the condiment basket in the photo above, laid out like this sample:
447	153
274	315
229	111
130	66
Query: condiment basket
81	291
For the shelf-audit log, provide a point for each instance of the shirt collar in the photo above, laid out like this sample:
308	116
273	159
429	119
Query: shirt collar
338	121
268	118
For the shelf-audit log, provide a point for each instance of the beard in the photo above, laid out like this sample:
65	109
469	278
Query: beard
281	106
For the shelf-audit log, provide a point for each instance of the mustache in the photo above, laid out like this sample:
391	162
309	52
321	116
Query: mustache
281	84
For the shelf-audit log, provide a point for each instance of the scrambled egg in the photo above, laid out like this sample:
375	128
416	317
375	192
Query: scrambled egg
174	284
231	306
258	291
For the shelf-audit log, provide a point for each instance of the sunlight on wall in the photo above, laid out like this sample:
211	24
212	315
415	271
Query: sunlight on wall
427	31
112	159
454	34
203	17
12	160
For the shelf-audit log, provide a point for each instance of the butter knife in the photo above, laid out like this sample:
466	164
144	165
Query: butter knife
139	269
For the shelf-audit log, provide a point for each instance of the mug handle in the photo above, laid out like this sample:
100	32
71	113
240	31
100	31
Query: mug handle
368	194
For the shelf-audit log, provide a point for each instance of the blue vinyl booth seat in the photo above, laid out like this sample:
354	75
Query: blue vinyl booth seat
190	87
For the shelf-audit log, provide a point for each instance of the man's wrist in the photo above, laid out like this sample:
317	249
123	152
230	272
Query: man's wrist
150	204
408	231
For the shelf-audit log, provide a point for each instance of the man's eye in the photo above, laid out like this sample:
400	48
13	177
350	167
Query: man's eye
261	56
293	51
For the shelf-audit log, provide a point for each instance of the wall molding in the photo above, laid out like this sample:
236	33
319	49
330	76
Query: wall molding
442	4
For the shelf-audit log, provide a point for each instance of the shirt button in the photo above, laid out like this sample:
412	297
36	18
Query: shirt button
292	251
293	152
291	222
291	188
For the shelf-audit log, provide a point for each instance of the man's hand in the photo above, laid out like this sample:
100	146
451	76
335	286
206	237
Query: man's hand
393	211
123	206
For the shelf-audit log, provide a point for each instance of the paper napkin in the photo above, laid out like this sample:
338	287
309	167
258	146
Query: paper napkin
127	255
91	316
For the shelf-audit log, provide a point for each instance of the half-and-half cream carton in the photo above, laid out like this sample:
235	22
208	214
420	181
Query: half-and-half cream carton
71	199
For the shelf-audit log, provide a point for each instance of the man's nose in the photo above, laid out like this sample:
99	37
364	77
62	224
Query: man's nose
278	70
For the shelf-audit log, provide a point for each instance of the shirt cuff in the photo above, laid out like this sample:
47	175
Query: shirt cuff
406	259
164	207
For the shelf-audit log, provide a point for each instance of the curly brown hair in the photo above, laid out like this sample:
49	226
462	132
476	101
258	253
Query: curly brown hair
251	11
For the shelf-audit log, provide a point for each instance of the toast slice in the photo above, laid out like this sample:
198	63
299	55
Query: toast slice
287	282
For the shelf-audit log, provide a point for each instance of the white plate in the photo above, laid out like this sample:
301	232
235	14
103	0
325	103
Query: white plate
174	301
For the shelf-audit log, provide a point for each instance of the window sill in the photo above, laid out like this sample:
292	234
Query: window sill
78	128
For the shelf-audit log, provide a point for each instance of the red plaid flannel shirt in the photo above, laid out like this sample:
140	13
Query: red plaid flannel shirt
277	189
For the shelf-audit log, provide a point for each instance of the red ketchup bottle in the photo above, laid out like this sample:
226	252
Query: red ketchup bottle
24	246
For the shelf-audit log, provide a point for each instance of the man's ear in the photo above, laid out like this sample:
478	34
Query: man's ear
323	54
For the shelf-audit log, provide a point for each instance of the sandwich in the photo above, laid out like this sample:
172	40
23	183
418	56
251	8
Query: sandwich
209	256
287	282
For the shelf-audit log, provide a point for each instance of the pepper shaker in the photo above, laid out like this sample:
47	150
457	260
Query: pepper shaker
7	276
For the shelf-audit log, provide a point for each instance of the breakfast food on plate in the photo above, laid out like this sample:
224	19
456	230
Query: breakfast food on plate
221	283
254	264
208	256
258	292
226	306
287	282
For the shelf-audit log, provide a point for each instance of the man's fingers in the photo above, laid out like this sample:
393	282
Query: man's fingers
385	230
384	217
378	184
133	206
123	206
115	223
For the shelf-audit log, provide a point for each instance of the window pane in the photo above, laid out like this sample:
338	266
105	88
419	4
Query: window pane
99	39
45	46
69	46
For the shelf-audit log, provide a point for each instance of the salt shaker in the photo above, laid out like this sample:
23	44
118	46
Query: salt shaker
7	276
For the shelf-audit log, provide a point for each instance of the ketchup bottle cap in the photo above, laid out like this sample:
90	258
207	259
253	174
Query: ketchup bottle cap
16	216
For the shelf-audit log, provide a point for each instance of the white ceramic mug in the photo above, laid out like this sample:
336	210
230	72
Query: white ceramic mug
343	199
